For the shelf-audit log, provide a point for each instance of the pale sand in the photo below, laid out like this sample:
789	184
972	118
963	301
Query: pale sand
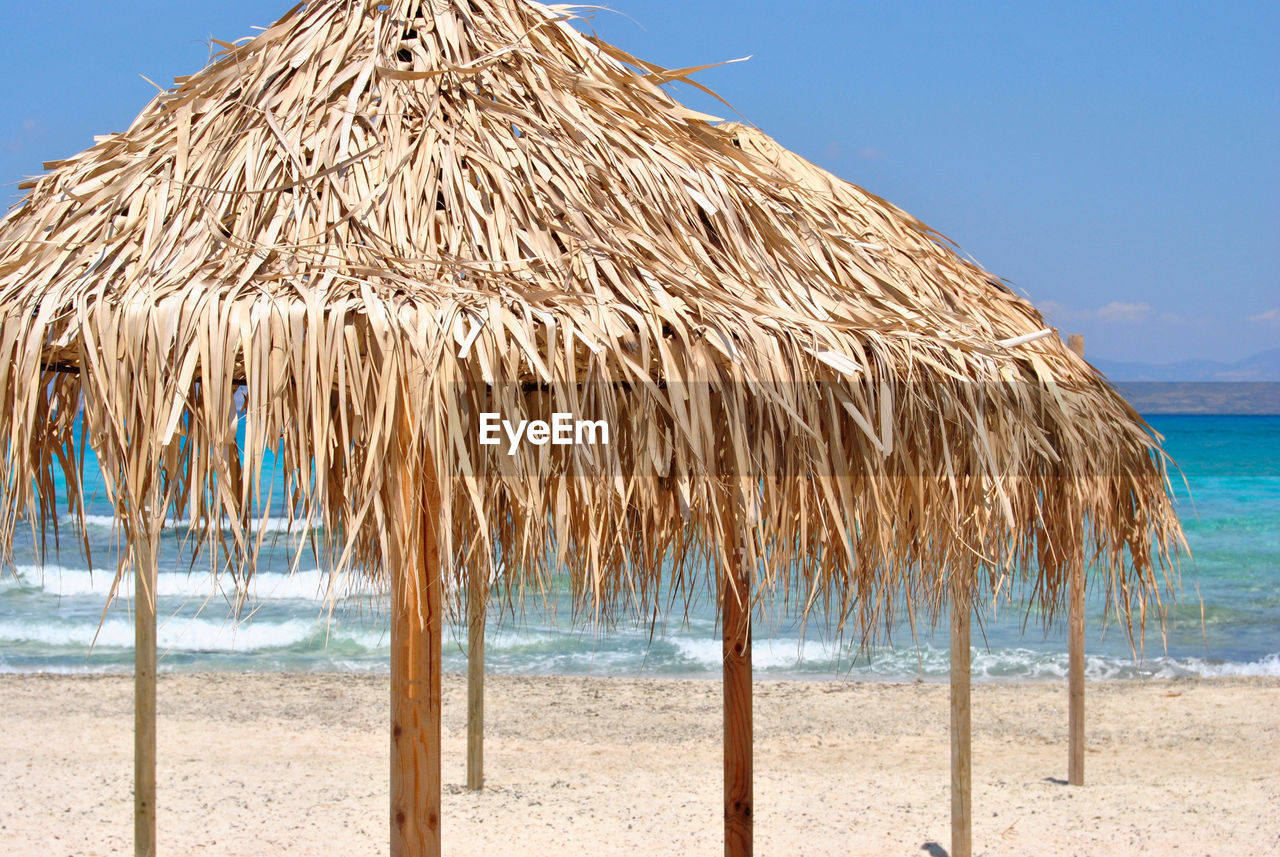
269	765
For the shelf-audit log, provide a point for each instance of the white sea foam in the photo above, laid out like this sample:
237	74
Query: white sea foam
766	654
1268	666
201	634
280	524
359	646
930	662
99	521
59	581
192	635
62	619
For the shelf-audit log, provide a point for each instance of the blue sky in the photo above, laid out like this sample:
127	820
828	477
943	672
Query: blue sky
1119	163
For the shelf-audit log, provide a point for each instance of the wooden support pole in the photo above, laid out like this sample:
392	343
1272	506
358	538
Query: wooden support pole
1075	678
738	800
961	753
1075	647
145	561
477	598
416	641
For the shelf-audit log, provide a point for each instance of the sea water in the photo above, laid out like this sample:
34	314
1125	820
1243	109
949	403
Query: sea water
1225	620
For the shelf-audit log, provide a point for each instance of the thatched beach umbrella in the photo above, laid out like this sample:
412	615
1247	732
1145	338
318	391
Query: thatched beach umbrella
909	243
358	233
904	244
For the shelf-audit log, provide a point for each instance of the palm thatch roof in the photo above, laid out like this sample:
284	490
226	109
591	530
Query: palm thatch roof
352	234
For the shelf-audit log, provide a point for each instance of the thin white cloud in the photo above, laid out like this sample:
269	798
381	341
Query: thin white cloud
1114	312
870	153
31	131
1271	316
1119	312
1057	312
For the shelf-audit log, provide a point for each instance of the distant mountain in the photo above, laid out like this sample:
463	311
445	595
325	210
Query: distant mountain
1248	386
1264	366
1254	398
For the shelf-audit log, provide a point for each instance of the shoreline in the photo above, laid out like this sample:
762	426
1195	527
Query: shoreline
1052	668
296	763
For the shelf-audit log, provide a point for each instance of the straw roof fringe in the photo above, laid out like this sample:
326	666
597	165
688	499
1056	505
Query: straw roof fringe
352	234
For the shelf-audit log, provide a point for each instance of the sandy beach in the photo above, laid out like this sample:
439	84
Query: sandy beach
297	764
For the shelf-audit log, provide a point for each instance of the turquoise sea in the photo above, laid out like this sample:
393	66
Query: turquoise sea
1226	620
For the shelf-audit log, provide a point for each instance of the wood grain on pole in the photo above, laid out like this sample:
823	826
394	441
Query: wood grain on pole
416	640
144	692
738	797
477	598
1075	677
961	752
1075	647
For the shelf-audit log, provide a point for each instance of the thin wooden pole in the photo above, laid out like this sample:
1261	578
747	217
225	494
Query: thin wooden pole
1075	680
1075	648
416	642
476	601
144	693
738	793
961	748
